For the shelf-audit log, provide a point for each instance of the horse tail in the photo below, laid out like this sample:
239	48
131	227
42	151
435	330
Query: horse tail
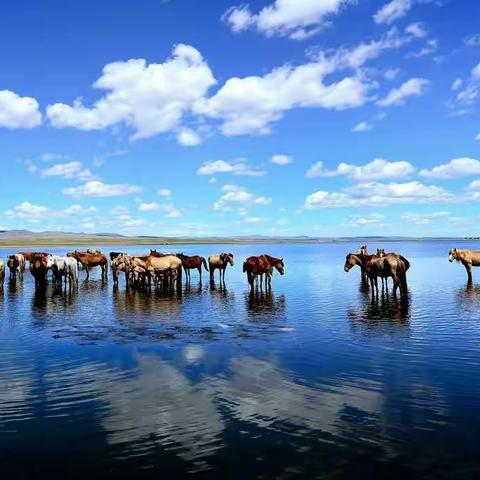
244	267
405	261
204	262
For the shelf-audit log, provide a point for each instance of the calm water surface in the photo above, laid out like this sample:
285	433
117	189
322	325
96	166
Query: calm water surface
312	380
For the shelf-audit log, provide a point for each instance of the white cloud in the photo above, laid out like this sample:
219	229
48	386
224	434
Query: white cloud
150	98
457	84
188	137
281	159
391	73
414	87
472	40
416	29
235	168
67	170
392	11
234	194
378	169
430	47
169	210
458	167
470	93
362	127
477	137
36	213
164	192
149	207
423	218
361	221
96	188
297	19
18	112
379	195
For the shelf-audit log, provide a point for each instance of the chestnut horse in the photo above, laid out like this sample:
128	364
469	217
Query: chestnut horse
16	263
219	262
264	264
39	269
191	263
91	260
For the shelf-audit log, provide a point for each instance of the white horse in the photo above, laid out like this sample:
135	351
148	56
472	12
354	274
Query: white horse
64	267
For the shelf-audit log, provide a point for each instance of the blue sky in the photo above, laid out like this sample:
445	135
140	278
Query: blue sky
277	117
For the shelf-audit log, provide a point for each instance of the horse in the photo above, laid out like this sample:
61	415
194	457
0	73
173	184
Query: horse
391	265
2	274
29	255
219	262
190	263
63	267
39	269
16	263
468	258
114	255
91	260
160	268
264	264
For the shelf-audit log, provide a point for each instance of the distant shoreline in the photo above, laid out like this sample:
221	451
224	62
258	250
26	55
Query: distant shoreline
30	241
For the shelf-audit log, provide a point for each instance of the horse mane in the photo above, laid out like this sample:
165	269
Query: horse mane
272	259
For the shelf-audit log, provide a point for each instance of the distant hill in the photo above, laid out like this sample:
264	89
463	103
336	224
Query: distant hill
28	238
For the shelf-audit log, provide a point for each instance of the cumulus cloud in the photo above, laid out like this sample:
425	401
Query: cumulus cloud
235	168
416	29
188	137
18	112
470	92
150	98
377	169
281	159
414	87
67	170
96	188
379	195
36	213
296	19
458	167
236	195
361	221
168	209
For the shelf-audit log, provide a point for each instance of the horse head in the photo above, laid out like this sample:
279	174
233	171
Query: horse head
350	261
453	254
380	252
280	266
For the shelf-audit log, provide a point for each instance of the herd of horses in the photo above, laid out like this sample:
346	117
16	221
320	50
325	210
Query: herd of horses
155	269
164	270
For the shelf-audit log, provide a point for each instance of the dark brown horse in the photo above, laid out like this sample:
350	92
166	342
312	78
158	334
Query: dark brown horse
394	266
192	263
39	269
263	265
114	255
91	260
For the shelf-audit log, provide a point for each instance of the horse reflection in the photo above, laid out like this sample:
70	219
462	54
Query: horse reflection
261	303
133	304
469	297
382	315
46	301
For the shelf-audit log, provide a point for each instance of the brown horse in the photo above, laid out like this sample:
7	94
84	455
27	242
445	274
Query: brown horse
468	258
114	255
393	266
91	260
263	265
2	274
192	263
219	262
39	269
29	255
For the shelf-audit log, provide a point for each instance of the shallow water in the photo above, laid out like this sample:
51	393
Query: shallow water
310	380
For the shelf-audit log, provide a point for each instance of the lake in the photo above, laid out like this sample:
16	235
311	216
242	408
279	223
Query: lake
311	380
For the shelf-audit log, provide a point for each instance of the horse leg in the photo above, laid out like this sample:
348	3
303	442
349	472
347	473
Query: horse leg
468	268
200	272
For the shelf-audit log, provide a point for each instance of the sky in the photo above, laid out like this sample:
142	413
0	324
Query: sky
273	117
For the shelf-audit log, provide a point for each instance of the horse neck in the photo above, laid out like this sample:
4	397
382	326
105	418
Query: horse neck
272	260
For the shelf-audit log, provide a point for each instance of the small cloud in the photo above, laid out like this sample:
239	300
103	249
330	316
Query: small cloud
362	127
164	192
99	189
281	159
